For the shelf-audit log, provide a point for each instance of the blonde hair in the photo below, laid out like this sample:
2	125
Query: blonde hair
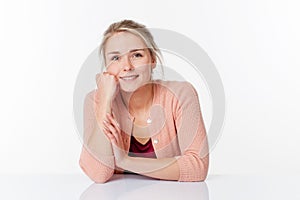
136	29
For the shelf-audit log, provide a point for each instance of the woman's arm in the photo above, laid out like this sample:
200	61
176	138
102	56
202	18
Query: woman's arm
96	158
192	138
192	165
161	168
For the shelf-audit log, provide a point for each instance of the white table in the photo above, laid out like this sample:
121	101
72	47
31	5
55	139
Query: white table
79	187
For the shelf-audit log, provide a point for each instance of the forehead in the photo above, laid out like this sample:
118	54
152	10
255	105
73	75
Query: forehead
124	42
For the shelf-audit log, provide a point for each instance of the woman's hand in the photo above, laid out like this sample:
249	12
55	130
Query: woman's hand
113	131
108	85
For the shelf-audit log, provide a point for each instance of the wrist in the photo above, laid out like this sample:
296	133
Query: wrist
123	161
104	97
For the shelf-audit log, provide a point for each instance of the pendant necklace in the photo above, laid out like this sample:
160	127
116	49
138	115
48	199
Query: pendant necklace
149	120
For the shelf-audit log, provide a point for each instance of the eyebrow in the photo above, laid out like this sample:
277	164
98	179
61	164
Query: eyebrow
133	50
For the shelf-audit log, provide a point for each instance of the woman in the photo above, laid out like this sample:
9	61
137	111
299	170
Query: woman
135	124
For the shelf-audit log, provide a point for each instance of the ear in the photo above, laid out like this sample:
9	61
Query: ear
153	63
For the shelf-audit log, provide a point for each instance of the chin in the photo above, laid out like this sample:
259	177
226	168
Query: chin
132	86
128	88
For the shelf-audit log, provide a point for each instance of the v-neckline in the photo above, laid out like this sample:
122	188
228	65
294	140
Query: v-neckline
132	137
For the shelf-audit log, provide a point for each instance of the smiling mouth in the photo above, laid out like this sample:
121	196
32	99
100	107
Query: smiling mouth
129	78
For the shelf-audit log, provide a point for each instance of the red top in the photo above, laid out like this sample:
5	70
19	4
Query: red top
141	150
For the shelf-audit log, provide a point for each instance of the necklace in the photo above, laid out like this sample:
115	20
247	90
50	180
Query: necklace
148	120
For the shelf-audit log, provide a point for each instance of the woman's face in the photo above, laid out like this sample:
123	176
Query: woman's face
129	60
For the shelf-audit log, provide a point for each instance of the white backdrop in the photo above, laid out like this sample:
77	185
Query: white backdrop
254	44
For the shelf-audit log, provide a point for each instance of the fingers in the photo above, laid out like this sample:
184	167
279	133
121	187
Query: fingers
99	75
108	83
113	121
110	132
112	129
110	136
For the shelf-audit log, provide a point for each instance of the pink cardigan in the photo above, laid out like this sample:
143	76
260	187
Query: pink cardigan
177	131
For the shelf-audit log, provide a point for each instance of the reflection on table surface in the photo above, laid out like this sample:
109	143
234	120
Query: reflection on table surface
80	187
139	187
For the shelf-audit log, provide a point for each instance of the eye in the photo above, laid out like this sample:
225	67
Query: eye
137	55
115	58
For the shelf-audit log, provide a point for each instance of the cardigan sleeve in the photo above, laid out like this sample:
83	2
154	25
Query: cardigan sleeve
98	168
192	138
94	168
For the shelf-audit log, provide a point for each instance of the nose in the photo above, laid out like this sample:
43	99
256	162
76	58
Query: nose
127	65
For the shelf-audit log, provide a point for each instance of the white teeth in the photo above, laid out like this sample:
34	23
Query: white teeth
126	78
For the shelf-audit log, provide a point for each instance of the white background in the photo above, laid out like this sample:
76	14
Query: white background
254	44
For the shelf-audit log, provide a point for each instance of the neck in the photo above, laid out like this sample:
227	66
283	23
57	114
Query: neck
139	100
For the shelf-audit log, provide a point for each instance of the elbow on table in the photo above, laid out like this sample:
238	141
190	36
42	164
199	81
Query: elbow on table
203	176
203	168
193	168
196	176
96	175
101	179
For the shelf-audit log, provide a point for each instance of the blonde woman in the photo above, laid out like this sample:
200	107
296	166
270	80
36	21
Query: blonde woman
133	124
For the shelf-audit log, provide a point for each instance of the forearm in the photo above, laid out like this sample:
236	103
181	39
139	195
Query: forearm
98	142
99	145
162	168
96	158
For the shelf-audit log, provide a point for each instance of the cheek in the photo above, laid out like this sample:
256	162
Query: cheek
146	72
114	70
